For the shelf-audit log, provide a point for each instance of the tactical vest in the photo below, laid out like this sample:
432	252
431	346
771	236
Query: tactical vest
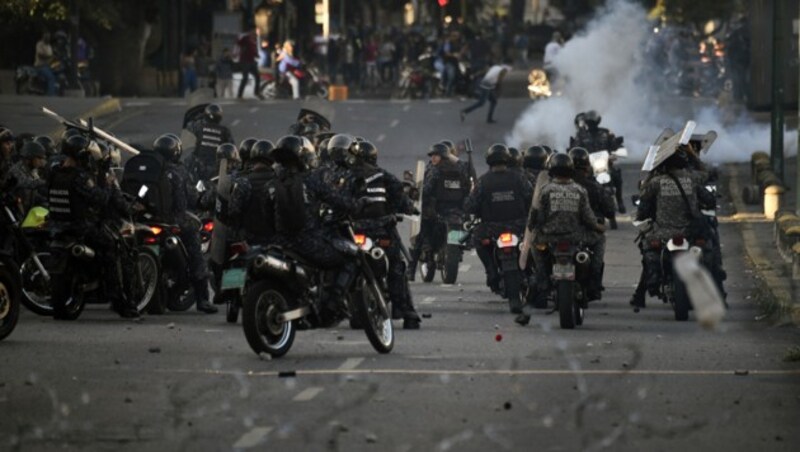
599	141
373	191
254	218
211	136
64	204
450	188
502	198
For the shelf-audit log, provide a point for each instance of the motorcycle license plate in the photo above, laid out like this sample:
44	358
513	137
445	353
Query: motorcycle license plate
455	237
233	278
563	271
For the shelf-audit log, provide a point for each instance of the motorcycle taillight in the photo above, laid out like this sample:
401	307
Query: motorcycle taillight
562	246
384	243
208	226
677	240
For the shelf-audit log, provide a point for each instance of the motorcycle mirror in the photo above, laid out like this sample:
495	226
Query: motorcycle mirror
621	152
143	191
635	200
201	187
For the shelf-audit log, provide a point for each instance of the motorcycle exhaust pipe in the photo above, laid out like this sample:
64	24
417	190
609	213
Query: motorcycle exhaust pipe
269	263
582	257
377	253
82	252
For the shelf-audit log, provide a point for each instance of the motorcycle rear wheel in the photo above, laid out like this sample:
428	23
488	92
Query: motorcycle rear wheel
565	299
264	333
513	284
680	303
36	293
233	302
452	259
10	295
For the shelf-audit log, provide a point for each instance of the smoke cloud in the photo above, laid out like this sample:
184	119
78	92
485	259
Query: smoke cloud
601	66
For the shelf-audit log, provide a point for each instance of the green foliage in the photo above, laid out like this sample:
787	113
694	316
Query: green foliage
700	11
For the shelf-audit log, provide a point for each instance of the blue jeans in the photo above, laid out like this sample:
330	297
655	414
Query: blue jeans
484	94
189	81
47	74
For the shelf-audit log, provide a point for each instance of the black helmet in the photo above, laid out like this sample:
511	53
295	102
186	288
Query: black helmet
228	151
339	146
549	150
580	157
560	165
367	152
439	149
451	147
260	152
47	143
245	146
180	144
591	118
288	151
497	154
678	160
214	113
32	150
6	135
74	146
310	130
534	157
168	147
515	157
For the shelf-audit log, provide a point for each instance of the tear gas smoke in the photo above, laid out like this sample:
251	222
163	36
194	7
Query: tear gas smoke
602	67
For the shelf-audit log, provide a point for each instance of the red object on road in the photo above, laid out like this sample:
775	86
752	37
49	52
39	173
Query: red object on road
499	337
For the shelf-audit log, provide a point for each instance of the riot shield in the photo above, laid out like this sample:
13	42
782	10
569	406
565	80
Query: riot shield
220	234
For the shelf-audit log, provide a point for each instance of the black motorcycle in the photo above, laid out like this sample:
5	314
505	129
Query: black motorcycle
234	277
568	267
446	249
10	284
284	292
505	249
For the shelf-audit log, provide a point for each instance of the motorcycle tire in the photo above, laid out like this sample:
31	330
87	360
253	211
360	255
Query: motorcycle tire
146	278
179	302
261	307
36	293
233	303
428	271
565	299
322	92
67	304
513	284
356	316
10	294
681	304
269	90
452	259
377	323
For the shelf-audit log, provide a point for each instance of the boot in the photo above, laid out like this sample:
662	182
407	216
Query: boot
201	295
411	271
411	320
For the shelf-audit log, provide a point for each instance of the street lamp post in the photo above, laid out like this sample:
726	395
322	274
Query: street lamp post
776	148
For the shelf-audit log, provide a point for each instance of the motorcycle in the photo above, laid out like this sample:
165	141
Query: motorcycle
234	276
28	80
283	291
505	249
446	250
603	166
311	82
569	272
10	252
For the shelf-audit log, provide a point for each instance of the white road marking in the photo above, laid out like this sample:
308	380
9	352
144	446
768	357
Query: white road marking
254	109
308	394
428	300
407	107
351	363
440	101
138	104
252	438
235	122
214	331
380	138
178	103
464	268
394	123
356	101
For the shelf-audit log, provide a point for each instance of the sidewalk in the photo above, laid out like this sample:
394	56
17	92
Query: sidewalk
779	300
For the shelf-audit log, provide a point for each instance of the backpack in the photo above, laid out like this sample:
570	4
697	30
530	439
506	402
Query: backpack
150	169
288	194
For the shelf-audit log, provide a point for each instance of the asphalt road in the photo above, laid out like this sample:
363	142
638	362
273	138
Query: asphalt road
470	379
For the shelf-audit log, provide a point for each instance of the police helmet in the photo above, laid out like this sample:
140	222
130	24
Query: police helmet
534	157
580	157
439	149
323	150
288	150
549	150
6	135
74	146
560	165
591	118
245	146
310	130
260	152
308	157
168	147
497	154
32	150
678	160
228	151
214	113
515	157
451	147
339	146
47	143
359	139
367	152
180	144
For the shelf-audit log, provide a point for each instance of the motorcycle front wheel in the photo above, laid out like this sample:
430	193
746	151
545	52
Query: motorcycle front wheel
68	301
145	280
9	300
376	320
36	291
263	304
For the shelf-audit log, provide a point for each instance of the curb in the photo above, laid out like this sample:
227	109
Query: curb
774	280
108	106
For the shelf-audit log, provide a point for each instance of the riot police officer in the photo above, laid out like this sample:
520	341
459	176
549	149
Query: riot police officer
75	203
210	133
29	187
603	207
533	162
244	151
444	189
563	213
500	199
246	208
594	138
6	152
384	198
184	196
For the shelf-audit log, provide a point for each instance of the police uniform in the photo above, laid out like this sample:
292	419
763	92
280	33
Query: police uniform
500	199
603	207
601	139
246	207
209	136
29	186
